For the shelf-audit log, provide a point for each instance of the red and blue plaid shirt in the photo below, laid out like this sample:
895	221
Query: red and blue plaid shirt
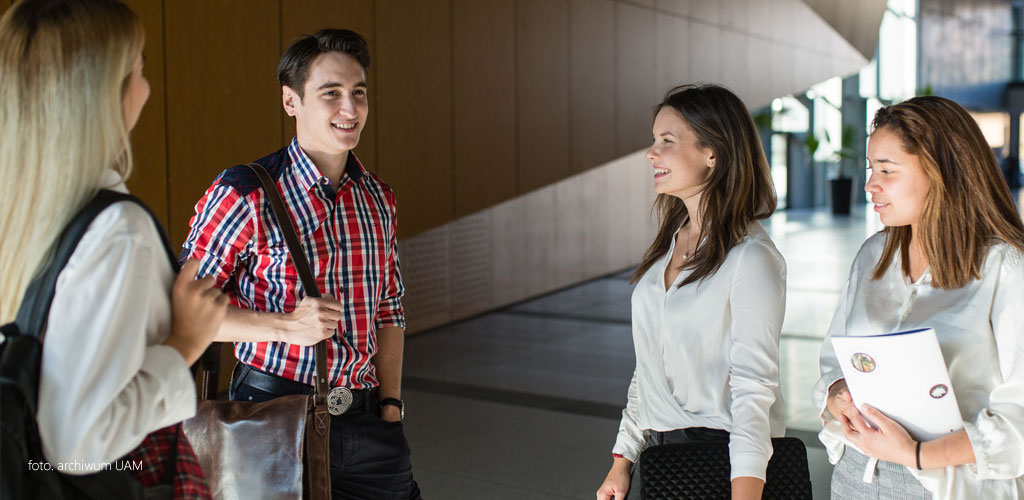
350	240
148	464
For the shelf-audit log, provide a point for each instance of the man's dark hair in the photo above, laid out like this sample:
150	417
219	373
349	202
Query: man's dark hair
293	70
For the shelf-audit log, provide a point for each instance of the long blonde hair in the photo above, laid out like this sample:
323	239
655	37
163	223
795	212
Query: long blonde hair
64	66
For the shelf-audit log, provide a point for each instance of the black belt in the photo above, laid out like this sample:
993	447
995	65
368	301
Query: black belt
688	435
362	399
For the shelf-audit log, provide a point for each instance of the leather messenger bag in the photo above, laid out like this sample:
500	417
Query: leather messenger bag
277	449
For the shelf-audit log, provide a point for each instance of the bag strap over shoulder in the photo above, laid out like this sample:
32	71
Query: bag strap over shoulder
35	306
291	238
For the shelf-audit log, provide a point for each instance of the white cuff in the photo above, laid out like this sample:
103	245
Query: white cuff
628	450
749	464
169	365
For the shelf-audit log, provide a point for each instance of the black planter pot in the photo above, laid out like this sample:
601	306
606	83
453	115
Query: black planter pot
841	193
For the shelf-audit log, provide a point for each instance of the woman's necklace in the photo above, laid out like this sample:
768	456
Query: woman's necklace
686	249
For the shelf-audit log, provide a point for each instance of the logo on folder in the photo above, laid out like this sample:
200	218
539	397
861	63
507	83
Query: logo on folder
863	362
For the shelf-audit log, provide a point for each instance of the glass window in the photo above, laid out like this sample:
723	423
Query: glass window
869	79
789	115
828	117
897	52
779	167
994	126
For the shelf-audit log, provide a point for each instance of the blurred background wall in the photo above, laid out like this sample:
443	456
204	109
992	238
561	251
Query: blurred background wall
511	130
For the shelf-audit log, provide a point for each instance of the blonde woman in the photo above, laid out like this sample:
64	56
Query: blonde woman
950	258
122	330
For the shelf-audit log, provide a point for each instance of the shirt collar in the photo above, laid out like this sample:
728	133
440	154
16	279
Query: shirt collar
309	175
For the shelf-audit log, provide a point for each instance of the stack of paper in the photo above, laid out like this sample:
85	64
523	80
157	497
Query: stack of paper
904	375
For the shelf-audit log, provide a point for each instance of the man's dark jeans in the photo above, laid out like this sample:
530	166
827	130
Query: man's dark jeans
369	457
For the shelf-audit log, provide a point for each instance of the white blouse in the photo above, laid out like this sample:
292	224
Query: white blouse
980	328
707	354
106	379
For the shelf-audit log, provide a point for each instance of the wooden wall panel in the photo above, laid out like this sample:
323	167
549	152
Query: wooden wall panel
543	92
149	138
483	63
305	17
414	110
223	102
592	75
634	77
472	102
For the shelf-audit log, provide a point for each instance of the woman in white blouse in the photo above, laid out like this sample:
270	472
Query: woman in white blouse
950	258
709	296
122	331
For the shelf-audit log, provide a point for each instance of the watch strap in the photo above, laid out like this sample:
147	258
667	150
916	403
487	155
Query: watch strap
396	403
393	402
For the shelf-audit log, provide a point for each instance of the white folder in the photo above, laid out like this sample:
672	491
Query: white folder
904	376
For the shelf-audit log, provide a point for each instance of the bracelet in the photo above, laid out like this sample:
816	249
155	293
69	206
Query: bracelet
918	455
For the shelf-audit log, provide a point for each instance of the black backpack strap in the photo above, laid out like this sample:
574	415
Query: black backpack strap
35	306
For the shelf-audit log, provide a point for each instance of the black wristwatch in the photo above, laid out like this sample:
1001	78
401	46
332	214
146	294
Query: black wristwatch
395	402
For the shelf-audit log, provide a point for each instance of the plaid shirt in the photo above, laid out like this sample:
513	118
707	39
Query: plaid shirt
156	450
350	240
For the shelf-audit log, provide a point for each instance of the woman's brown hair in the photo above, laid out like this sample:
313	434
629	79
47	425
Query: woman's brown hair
968	206
738	192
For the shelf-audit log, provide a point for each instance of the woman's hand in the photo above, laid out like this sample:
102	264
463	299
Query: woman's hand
197	308
888	440
616	483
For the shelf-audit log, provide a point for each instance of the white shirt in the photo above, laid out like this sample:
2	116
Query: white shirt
707	354
106	379
980	328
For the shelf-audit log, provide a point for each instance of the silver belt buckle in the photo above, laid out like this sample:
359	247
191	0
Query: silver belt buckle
339	400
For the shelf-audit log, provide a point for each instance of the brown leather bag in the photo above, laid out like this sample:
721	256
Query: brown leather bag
278	449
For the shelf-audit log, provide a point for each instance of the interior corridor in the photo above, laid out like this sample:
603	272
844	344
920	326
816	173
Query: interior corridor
525	402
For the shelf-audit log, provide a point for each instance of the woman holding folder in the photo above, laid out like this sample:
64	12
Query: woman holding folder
950	258
709	298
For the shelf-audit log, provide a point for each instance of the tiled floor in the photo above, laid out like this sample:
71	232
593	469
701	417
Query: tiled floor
525	402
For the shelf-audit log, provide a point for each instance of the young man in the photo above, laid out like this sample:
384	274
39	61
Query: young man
345	217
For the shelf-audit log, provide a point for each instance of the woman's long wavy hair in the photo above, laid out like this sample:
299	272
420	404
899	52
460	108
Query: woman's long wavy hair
968	206
738	192
64	66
